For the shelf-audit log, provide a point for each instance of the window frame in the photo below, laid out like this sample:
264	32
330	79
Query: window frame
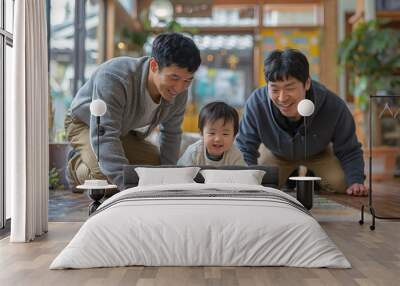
6	39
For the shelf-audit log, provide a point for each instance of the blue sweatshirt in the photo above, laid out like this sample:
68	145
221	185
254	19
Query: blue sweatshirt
331	122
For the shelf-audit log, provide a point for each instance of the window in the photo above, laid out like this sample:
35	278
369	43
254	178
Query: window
6	43
76	47
226	70
93	38
225	73
217	16
9	15
293	15
61	75
387	5
222	16
74	44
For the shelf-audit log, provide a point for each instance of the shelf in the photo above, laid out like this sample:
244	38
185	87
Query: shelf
395	15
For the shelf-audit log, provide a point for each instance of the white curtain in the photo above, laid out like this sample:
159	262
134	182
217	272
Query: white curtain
27	123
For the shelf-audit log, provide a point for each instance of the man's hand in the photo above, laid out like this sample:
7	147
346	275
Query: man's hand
358	190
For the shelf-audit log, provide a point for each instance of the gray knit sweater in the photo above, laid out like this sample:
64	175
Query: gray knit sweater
195	155
121	83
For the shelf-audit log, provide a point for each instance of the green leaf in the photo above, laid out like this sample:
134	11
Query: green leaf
370	55
361	87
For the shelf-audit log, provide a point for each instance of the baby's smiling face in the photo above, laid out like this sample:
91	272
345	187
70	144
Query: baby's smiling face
218	136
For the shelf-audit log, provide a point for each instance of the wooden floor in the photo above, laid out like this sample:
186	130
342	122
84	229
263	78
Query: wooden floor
385	198
374	255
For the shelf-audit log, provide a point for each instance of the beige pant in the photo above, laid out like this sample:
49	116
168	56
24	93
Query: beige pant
324	165
83	165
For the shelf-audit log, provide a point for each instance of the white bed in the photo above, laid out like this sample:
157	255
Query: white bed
223	225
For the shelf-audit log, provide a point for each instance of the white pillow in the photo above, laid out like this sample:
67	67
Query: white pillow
163	176
248	177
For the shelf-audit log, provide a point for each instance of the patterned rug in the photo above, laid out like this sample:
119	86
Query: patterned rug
65	206
325	209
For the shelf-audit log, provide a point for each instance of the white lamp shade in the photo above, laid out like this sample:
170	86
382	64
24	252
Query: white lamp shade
162	10
98	107
305	107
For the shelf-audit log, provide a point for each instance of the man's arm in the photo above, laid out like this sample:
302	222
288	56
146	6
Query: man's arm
187	158
171	135
248	140
112	156
347	148
238	160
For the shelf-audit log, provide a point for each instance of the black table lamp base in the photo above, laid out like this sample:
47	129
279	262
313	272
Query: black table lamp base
305	191
96	195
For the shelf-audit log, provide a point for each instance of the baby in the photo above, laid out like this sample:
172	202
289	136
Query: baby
218	124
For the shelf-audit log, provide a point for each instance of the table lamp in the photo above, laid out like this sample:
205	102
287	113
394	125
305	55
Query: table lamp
97	188
305	184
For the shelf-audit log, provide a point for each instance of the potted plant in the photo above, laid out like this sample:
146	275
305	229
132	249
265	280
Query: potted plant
371	57
54	180
134	38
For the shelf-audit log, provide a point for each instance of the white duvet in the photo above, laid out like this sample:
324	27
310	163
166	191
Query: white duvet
183	231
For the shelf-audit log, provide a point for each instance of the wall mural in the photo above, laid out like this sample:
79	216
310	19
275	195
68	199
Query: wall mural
306	40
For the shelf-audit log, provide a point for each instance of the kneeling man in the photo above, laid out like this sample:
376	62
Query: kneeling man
271	118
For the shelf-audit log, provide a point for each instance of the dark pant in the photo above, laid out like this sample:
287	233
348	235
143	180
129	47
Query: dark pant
324	165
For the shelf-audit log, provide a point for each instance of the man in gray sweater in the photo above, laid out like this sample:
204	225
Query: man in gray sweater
271	118
140	94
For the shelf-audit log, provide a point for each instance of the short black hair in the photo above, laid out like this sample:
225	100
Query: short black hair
216	110
176	49
279	65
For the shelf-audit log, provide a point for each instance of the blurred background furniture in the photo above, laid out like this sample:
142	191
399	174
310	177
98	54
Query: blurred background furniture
386	100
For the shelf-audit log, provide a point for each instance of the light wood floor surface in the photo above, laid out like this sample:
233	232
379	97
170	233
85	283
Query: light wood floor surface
375	257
